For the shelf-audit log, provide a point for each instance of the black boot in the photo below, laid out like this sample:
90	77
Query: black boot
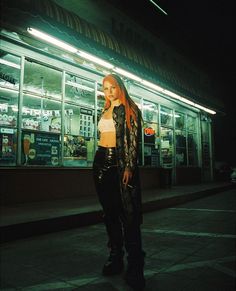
134	276
115	263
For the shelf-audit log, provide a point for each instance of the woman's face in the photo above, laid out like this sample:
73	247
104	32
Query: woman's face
111	91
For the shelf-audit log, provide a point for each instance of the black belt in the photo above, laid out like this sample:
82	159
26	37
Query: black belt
108	150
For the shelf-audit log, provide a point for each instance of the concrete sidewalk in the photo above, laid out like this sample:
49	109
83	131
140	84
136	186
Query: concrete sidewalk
28	219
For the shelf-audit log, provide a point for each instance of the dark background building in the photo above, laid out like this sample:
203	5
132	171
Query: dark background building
202	31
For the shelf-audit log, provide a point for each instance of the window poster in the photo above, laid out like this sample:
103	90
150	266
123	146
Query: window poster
7	145
86	122
40	148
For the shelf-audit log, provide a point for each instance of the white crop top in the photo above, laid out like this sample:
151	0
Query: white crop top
106	125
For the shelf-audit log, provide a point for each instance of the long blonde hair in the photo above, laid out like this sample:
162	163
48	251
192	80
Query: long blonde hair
131	109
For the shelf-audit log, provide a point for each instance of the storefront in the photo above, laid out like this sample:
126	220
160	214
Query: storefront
50	101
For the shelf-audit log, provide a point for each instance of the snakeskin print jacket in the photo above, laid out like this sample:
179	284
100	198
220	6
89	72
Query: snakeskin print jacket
127	140
127	145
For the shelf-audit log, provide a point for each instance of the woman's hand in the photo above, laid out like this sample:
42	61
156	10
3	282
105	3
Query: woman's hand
126	177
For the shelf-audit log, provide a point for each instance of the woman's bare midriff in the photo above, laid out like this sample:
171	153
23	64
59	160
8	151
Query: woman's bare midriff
108	139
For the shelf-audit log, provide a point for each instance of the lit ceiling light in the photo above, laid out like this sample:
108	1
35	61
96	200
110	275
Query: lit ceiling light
95	59
204	108
155	4
186	101
10	64
171	94
51	40
151	85
127	74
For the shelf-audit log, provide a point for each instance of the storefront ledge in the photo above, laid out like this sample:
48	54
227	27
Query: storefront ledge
32	228
50	183
152	201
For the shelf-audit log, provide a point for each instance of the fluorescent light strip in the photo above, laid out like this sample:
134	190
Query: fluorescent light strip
10	64
171	94
152	86
103	63
80	86
95	59
204	108
127	74
51	39
187	101
154	3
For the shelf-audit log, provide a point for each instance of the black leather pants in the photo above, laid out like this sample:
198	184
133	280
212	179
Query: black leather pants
107	183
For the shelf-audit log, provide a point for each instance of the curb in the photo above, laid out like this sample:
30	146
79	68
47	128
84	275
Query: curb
45	226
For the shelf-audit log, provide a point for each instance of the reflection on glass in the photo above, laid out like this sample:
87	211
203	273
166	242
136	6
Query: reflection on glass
9	71
179	120
136	100
8	108
180	138
79	90
166	147
42	80
192	149
166	116
191	123
78	151
9	87
41	114
150	111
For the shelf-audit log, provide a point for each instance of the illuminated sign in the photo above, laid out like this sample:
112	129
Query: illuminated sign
148	131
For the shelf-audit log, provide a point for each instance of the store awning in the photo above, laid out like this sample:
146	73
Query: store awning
95	40
55	14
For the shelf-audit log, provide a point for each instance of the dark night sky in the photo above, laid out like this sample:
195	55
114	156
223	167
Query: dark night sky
203	31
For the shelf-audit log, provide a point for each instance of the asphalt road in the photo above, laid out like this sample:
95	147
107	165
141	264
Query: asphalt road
189	247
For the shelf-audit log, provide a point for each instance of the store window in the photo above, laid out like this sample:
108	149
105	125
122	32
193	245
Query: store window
166	147
79	121
137	101
180	139
179	120
192	149
150	134
192	141
100	106
41	115
191	123
9	93
166	116
180	148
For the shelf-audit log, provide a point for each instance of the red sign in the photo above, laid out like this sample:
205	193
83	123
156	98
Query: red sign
148	131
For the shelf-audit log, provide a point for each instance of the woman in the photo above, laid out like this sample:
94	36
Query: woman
117	182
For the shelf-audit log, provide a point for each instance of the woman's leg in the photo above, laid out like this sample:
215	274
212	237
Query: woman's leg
132	236
107	187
